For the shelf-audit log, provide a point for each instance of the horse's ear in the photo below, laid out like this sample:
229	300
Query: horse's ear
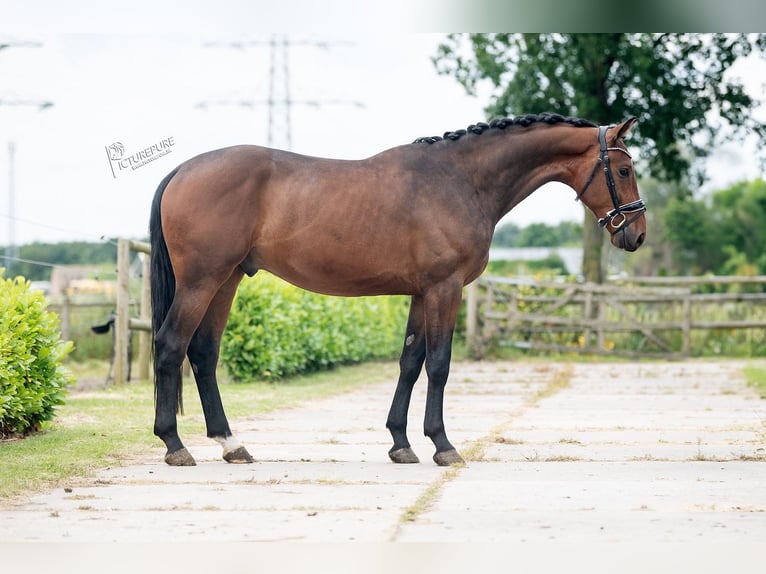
625	127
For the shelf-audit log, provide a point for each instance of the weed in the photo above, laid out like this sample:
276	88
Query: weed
503	440
561	379
569	441
429	496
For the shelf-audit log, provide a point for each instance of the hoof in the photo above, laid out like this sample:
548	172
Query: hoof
180	458
403	456
238	456
448	458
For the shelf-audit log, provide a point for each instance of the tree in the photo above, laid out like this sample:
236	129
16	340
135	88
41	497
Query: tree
537	235
695	235
506	235
661	256
722	234
676	84
39	258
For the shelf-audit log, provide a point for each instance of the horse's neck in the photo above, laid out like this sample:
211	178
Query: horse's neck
508	167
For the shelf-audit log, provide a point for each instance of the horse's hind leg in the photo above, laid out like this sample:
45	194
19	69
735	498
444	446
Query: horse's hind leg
203	356
170	346
410	365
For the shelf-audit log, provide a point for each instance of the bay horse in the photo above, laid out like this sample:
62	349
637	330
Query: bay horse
413	220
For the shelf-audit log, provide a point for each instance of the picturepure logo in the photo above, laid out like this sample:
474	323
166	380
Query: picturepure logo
120	162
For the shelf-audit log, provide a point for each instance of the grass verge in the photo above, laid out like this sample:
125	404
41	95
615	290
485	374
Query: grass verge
100	428
756	378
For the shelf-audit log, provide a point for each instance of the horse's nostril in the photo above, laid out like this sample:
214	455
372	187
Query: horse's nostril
640	240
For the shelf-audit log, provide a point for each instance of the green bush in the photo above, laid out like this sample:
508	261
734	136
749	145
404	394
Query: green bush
32	380
276	330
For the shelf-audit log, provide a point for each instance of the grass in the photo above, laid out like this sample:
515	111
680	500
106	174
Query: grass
561	379
429	497
756	378
106	427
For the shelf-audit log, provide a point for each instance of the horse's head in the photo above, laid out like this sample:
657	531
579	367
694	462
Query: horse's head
612	192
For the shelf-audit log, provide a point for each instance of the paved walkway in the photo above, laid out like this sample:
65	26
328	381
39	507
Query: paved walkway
639	452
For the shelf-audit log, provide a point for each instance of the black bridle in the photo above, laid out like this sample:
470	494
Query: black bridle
637	207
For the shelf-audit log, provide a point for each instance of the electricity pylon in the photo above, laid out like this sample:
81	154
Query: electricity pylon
279	100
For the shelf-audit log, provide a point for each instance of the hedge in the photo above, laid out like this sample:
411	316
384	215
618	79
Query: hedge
32	379
276	330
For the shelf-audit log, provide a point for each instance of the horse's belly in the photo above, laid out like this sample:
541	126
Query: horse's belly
350	282
333	273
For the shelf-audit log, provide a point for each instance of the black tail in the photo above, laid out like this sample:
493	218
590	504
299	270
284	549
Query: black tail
163	279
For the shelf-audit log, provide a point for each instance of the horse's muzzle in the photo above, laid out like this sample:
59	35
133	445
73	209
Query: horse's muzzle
628	240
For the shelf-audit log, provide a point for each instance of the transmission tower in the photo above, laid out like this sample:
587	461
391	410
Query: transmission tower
279	100
279	94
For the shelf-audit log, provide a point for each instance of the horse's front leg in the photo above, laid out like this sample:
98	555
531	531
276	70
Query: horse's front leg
410	365
441	308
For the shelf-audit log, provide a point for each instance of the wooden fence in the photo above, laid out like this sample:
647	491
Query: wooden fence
64	307
638	317
659	313
123	322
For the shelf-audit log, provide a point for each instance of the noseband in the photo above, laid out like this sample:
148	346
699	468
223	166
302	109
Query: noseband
637	207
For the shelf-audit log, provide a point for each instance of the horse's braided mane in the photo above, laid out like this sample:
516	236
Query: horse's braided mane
502	123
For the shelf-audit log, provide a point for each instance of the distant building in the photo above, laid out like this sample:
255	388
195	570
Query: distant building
79	280
44	286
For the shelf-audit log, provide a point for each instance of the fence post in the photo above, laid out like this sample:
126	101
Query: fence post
587	313
600	338
487	330
686	325
471	315
145	313
121	325
65	317
513	311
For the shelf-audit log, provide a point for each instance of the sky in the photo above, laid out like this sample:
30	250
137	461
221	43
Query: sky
358	89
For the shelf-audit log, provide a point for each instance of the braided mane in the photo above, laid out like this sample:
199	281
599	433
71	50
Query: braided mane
502	123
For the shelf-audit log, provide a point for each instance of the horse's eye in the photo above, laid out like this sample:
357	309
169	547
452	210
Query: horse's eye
624	171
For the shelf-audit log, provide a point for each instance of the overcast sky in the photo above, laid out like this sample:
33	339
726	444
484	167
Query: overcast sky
124	80
370	94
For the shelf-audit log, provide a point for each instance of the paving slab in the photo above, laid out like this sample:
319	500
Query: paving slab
626	452
670	452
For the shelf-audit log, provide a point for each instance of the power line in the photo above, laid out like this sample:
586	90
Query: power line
19	44
44	263
39	104
33	262
279	100
54	228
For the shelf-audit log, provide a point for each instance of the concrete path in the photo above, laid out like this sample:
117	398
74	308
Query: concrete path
618	452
